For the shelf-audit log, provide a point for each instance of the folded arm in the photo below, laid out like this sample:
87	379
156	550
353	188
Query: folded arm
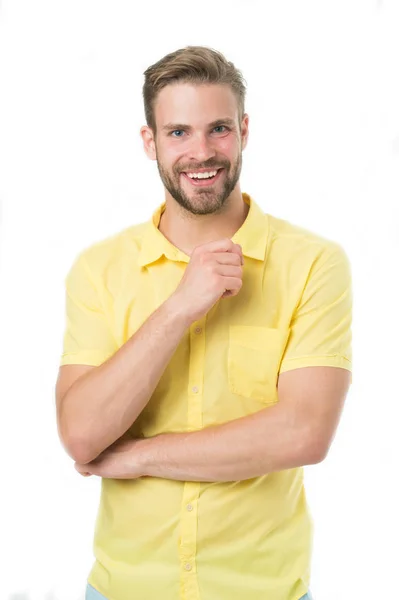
296	431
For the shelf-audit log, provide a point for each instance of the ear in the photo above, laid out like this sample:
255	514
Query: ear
148	138
244	130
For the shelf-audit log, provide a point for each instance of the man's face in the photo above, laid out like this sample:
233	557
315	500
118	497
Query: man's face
199	144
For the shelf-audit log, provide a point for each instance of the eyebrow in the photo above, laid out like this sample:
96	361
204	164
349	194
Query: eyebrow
227	121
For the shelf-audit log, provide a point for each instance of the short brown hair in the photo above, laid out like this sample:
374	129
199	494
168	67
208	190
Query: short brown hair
193	64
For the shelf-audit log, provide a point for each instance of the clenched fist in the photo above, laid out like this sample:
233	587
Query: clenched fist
214	272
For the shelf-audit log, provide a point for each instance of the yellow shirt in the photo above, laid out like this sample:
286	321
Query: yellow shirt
244	540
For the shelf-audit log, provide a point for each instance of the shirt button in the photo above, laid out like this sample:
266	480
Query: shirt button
195	389
190	507
198	329
187	566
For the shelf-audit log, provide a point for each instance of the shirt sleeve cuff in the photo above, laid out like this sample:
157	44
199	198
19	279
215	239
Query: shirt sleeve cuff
333	360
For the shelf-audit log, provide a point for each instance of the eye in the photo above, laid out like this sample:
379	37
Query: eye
177	131
220	128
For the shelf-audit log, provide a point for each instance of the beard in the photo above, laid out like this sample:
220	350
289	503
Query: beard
201	201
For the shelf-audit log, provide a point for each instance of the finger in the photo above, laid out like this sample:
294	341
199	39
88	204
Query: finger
232	285
229	271
223	245
228	258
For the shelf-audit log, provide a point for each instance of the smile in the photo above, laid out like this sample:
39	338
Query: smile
203	179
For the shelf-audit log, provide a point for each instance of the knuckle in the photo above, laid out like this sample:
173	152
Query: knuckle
200	250
210	266
215	280
204	258
238	285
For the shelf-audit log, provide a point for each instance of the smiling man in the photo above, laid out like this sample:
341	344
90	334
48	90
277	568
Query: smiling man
207	357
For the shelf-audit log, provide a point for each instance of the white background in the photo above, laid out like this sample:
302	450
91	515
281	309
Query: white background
323	153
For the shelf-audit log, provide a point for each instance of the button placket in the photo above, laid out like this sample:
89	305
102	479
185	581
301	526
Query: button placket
196	371
191	490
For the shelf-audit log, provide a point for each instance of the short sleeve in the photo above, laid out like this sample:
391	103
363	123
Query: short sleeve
320	329
88	339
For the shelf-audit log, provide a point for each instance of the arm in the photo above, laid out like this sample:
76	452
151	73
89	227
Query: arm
100	406
315	374
297	431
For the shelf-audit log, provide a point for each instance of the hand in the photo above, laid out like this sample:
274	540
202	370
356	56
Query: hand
214	272
121	460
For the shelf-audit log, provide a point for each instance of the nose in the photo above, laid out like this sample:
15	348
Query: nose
201	148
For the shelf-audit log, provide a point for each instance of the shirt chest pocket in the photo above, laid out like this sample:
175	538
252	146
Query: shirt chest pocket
253	361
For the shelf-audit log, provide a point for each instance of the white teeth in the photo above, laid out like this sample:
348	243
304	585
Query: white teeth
202	175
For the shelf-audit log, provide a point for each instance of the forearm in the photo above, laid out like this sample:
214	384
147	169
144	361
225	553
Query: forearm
271	440
100	406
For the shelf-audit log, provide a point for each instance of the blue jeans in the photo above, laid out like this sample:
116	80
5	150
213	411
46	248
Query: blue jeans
92	594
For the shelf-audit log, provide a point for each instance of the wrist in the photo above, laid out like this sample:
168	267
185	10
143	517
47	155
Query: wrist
178	310
145	456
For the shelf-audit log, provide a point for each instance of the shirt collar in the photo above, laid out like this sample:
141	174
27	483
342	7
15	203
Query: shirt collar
252	237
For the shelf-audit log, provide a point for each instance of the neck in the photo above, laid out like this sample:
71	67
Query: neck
187	231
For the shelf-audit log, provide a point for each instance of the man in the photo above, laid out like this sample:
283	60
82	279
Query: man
207	356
